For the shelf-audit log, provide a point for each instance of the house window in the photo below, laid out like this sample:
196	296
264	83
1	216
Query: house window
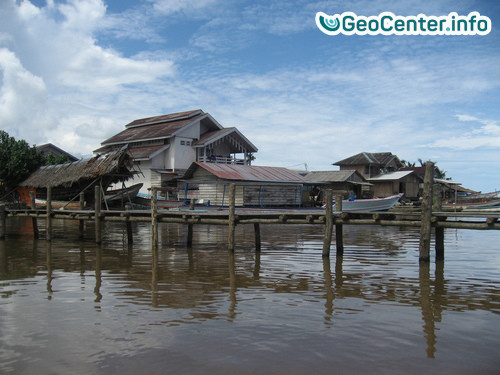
188	143
183	143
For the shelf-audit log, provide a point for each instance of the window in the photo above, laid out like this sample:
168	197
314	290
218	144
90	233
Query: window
183	143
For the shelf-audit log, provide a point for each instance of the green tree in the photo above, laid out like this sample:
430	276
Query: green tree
17	160
51	159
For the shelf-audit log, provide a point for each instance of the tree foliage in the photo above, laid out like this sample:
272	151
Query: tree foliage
51	159
17	160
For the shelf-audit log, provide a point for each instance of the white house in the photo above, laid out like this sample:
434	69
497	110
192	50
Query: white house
163	147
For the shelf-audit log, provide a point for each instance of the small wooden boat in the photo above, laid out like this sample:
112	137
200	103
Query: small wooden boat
364	205
123	195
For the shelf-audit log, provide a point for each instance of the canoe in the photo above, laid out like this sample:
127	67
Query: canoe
125	194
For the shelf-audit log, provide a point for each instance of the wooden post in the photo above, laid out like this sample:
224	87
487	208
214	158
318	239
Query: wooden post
48	228
34	220
154	216
3	222
439	232
82	222
97	211
256	229
327	240
426	214
191	204
190	235
232	221
339	231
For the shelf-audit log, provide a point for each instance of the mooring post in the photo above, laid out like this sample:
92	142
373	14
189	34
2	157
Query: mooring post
82	222
154	216
34	220
439	232
97	214
48	228
339	231
256	229
231	221
3	222
327	240
426	214
190	225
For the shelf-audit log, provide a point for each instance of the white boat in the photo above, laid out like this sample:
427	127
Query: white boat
375	204
124	194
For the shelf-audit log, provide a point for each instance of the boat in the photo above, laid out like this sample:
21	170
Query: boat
375	204
122	195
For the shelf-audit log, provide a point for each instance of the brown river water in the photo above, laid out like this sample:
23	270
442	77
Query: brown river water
72	307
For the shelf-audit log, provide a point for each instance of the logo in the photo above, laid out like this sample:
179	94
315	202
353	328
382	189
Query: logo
387	23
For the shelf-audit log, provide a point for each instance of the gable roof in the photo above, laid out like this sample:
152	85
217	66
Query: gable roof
146	153
333	176
368	158
48	148
211	137
155	127
251	173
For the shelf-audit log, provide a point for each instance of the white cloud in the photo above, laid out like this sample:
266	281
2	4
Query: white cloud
54	70
168	7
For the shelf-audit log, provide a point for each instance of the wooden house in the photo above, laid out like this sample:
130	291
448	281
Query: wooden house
256	186
371	164
406	182
163	147
346	182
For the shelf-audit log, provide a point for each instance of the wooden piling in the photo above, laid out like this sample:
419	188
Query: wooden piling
48	228
154	216
97	208
231	219
256	229
81	224
426	213
339	231
3	222
34	220
327	240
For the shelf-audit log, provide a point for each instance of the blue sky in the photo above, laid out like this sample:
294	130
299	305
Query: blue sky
75	72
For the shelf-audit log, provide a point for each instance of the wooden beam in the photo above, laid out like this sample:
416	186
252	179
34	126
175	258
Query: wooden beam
48	227
339	231
34	220
97	216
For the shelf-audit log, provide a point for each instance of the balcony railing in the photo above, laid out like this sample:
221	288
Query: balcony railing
222	160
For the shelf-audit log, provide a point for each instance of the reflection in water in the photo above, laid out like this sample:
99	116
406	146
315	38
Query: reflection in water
425	305
285	304
48	255
98	278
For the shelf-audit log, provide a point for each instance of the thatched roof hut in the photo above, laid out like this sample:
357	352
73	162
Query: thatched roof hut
69	179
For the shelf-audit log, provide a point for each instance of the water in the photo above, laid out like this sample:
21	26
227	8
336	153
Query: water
71	307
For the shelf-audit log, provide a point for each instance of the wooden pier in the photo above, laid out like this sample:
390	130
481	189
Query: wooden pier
425	219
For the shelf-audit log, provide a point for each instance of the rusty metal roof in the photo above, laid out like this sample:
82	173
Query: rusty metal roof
213	136
164	118
151	130
334	176
146	152
251	173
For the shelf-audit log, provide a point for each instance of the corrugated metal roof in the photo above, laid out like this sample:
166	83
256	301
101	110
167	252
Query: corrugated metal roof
208	137
164	118
368	158
151	131
248	172
329	176
146	152
391	176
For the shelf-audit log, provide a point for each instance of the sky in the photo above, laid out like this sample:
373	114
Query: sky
74	72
